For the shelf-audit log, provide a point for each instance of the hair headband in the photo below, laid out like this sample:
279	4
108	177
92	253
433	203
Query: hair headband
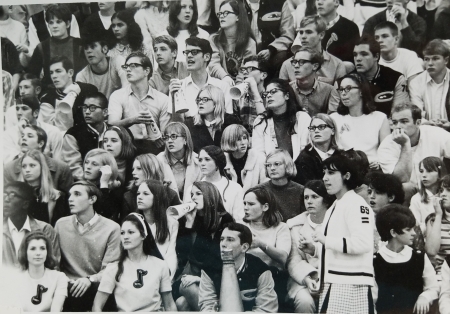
141	219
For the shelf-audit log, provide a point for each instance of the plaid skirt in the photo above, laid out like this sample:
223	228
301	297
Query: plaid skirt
346	299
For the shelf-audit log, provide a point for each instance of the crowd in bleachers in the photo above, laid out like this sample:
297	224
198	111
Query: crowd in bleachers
227	155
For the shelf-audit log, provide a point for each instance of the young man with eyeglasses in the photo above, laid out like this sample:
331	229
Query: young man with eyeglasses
312	30
80	139
312	95
27	112
166	51
17	198
198	55
138	105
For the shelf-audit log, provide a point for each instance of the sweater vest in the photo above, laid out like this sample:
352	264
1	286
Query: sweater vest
41	26
383	89
253	268
399	284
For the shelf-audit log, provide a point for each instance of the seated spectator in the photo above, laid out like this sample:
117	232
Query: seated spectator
61	71
100	169
212	163
308	8
17	223
138	254
206	222
42	287
359	126
405	280
180	158
139	107
119	143
232	43
280	169
440	29
98	24
302	264
85	234
198	55
147	167
50	204
15	32
207	125
411	26
152	203
60	43
312	30
402	60
35	138
283	126
20	12
80	139
165	49
183	16
388	87
252	273
324	136
346	32
103	72
10	61
428	13
246	166
27	112
431	170
313	95
128	36
401	152
430	90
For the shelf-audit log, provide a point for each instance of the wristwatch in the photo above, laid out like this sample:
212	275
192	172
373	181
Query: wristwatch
91	278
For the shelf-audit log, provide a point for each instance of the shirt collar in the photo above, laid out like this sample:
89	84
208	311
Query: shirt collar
323	155
90	223
333	22
173	160
105	126
392	254
430	79
241	268
149	92
326	55
26	225
190	81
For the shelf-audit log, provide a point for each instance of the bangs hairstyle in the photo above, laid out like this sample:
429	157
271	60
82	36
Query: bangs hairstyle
47	190
316	57
388	184
291	170
128	150
160	205
168	40
91	189
152	168
149	246
134	33
218	98
59	11
50	261
40	133
437	47
364	87
182	129
231	135
430	164
396	217
330	122
320	24
212	206
262	64
106	159
175	25
318	187
271	217
344	164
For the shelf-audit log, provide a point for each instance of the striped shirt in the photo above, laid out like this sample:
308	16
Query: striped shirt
444	250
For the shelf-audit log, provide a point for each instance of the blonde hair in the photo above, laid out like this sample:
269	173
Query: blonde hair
180	128
231	135
330	122
218	99
152	168
291	170
106	159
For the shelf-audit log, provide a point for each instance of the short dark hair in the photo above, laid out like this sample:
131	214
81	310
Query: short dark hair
91	189
393	216
416	112
318	187
60	11
41	135
168	40
343	164
361	161
203	44
66	62
245	235
368	105
91	39
374	46
386	184
35	81
103	101
315	55
30	101
145	61
272	216
28	191
437	47
389	25
262	64
22	257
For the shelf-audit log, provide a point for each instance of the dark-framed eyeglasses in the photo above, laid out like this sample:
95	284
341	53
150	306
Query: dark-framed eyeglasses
193	52
132	66
11	195
248	69
224	14
91	108
319	127
271	92
300	62
172	137
347	89
202	100
275	164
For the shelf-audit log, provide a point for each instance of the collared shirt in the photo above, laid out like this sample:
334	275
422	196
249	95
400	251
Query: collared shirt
82	228
189	92
161	80
323	155
124	103
323	98
437	94
331	23
179	171
18	235
100	136
241	268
